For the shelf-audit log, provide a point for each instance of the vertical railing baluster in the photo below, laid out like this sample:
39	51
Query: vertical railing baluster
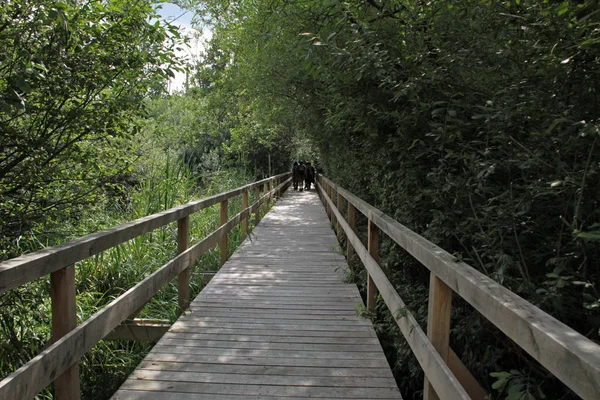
223	240
245	219
340	203
266	198
332	196
373	247
183	279
64	319
256	197
438	324
352	223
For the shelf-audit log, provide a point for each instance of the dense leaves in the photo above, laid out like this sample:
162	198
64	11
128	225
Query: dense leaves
475	123
72	77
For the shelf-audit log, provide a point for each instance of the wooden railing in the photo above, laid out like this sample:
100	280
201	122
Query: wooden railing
571	357
58	363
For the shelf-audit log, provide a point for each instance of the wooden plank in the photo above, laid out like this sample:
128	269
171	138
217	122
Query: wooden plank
263	370
20	270
261	390
438	325
267	345
332	363
180	326
64	320
567	354
272	339
143	332
267	380
183	279
143	395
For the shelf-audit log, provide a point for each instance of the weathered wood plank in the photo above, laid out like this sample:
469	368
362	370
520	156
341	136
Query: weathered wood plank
265	370
266	361
251	337
145	332
144	395
262	390
267	380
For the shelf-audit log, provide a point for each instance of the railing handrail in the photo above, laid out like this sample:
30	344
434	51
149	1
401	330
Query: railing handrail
570	356
20	270
66	350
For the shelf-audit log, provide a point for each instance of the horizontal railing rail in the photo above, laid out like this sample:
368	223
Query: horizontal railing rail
59	361
570	356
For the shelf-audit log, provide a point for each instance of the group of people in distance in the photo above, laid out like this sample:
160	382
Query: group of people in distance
302	173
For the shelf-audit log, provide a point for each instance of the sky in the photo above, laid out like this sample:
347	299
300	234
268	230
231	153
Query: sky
183	19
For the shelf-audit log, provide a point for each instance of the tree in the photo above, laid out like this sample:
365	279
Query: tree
72	79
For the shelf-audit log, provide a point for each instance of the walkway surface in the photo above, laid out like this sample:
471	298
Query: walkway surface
277	321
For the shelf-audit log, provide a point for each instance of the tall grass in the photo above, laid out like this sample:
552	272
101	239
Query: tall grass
25	311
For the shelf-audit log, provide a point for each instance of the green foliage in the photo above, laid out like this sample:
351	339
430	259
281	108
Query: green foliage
516	386
72	79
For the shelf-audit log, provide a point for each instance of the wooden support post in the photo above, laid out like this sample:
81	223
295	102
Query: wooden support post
223	240
64	319
257	213
272	195
438	324
245	219
352	223
340	205
183	279
266	200
373	247
333	200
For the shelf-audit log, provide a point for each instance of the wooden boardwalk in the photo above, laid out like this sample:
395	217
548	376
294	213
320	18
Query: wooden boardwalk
277	321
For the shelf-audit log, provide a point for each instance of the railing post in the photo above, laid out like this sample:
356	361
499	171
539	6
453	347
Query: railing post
183	279
373	247
438	324
223	240
272	195
340	205
257	213
64	319
266	200
352	223
332	196
245	219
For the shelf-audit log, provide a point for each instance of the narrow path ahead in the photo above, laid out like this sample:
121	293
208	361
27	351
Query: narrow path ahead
277	321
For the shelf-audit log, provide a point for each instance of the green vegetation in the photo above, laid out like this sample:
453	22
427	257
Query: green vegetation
474	123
